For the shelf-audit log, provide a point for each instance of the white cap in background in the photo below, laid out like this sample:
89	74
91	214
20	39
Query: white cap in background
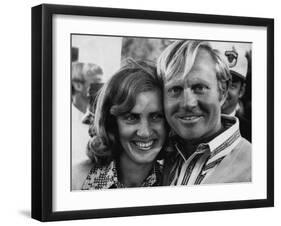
234	55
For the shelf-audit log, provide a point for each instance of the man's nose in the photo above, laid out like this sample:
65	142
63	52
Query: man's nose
144	129
189	99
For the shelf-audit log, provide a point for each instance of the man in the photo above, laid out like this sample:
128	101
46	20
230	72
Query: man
235	57
92	93
83	76
205	146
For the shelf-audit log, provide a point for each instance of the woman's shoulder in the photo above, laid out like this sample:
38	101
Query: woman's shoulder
79	173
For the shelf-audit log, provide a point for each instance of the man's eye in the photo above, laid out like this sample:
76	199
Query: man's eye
234	86
174	91
200	88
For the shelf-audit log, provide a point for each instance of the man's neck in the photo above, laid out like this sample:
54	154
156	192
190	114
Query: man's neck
80	103
191	145
231	111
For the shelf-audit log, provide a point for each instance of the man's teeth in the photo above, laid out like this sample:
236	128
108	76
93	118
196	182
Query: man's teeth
144	144
190	117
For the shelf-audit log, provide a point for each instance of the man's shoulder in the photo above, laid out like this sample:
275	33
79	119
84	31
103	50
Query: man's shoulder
235	167
240	156
245	127
243	150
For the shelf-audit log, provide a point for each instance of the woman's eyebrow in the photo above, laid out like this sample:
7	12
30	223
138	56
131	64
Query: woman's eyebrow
132	113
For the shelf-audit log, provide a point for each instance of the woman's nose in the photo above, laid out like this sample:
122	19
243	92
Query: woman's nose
144	129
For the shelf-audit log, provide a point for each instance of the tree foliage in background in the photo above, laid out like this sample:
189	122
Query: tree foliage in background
143	48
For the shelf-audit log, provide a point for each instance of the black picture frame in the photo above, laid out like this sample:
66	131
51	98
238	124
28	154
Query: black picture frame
42	106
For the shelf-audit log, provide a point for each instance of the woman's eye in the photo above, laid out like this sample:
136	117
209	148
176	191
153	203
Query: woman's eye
157	116
175	90
130	117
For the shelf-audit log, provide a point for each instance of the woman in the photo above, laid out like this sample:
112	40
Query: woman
129	132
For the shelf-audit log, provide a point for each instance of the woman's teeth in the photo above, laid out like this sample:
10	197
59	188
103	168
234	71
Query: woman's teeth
144	145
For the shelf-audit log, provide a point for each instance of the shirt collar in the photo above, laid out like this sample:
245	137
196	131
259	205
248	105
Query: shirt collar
154	178
231	125
106	177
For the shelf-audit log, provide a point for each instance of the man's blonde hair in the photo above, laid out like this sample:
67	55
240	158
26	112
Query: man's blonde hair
178	58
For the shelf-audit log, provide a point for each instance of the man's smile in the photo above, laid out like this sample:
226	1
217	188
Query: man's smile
189	118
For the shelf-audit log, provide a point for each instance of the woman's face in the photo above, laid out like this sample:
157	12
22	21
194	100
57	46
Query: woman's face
142	131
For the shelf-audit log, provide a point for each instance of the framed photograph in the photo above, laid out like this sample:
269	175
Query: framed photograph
145	112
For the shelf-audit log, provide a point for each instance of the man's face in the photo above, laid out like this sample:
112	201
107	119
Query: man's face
192	102
90	79
235	92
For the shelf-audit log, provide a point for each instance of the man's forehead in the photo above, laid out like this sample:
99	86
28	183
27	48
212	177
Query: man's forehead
202	64
192	76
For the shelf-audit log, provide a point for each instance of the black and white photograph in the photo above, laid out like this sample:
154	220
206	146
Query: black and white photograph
159	112
144	112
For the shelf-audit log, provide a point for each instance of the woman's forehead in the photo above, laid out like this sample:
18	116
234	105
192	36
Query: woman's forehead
148	101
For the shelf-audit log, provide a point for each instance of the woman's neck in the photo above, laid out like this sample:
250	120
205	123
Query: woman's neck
132	174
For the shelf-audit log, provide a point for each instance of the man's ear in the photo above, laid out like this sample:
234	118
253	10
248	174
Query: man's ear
78	86
223	96
223	91
242	90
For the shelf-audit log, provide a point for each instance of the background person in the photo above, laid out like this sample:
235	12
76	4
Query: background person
92	94
206	146
247	98
83	75
130	131
235	56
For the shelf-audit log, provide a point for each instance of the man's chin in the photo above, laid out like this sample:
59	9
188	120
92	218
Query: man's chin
189	135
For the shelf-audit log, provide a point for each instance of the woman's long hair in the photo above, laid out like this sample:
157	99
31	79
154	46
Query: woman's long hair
118	96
